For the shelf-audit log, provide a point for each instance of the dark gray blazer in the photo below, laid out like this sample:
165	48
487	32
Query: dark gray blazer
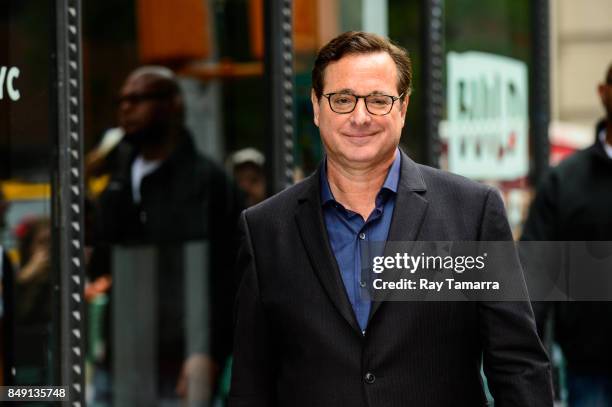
297	341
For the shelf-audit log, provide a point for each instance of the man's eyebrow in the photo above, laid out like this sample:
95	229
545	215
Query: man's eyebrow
378	92
345	90
352	92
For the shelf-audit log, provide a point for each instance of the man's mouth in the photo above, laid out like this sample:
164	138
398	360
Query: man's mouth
360	135
128	126
360	138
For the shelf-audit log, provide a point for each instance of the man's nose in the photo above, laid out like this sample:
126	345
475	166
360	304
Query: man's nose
124	106
124	110
124	103
360	114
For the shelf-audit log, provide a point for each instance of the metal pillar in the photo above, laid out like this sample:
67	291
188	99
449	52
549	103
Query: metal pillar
539	91
278	62
68	198
433	68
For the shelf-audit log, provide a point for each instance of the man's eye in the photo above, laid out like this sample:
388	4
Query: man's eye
343	100
379	101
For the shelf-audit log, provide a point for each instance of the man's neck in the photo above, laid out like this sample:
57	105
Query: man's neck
160	152
356	188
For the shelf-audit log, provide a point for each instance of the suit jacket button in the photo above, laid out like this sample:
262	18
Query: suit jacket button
370	378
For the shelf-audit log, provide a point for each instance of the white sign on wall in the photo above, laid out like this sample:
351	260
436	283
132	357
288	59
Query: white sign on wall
8	74
487	126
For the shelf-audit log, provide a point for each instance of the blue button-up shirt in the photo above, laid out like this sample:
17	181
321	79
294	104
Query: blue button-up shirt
346	229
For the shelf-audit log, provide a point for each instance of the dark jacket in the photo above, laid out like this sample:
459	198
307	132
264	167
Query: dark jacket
297	342
574	203
188	198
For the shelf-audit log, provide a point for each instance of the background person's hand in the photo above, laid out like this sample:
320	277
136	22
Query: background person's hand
35	268
198	377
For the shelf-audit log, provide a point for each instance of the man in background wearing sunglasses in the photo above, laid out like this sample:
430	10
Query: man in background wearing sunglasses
163	192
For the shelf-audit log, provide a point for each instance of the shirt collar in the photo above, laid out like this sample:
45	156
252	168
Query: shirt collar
390	184
607	147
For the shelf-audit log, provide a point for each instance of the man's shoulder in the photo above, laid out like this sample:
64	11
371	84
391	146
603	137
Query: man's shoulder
192	165
441	181
282	204
202	163
572	169
576	160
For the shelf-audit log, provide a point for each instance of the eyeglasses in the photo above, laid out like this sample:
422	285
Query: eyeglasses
378	105
135	98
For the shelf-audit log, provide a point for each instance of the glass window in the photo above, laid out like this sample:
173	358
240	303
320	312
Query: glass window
29	299
486	130
166	106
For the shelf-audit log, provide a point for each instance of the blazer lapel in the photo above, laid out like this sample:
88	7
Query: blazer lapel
410	204
410	209
309	217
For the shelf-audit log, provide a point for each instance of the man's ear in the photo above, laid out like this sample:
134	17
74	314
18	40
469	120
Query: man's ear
315	107
602	93
404	106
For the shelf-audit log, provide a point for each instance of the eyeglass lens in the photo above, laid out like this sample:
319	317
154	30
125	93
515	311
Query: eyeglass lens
375	104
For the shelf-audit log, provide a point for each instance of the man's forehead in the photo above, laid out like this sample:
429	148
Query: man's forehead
138	83
375	66
144	83
380	58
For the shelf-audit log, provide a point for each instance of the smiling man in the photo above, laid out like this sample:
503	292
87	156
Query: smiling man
305	333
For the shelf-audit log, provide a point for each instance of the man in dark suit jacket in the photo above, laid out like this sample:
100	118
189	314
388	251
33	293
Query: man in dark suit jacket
303	335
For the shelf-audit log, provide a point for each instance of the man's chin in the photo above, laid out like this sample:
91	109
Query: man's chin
363	156
135	138
129	130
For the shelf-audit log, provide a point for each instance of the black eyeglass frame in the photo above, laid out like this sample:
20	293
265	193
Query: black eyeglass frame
364	97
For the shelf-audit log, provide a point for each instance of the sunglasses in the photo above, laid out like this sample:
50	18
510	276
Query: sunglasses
136	98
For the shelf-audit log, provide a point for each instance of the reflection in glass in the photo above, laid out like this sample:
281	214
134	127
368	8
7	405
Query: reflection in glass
164	319
27	130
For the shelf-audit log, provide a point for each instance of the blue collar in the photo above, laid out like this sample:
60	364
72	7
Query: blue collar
390	184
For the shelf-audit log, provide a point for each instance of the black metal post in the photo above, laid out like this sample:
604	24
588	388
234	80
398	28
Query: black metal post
68	198
433	70
539	89
278	65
